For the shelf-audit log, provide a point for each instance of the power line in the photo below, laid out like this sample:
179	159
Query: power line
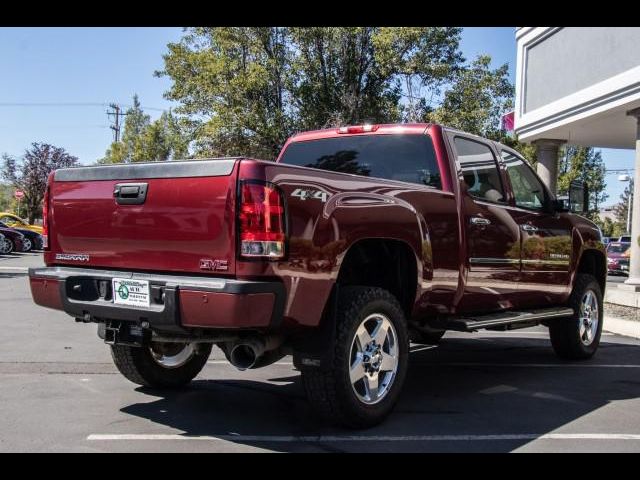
619	170
72	104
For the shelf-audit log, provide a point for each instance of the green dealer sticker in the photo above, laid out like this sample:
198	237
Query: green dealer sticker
131	292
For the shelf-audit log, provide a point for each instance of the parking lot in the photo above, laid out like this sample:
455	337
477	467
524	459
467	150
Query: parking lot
488	391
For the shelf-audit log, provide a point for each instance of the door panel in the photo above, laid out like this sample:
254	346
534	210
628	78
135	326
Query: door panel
546	243
492	236
494	263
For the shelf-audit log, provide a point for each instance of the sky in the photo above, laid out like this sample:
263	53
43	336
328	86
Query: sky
85	69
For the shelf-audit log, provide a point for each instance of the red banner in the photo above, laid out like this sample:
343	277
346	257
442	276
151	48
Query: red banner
507	121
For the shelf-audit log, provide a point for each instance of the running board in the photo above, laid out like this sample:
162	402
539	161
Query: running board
508	320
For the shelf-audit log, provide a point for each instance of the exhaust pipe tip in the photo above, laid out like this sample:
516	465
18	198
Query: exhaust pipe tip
243	356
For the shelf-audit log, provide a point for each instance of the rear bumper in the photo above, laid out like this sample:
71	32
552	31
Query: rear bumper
178	303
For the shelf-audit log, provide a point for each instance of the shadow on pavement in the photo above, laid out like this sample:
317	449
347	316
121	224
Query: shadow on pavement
466	386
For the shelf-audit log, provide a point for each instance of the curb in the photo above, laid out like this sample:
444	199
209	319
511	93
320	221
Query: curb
628	328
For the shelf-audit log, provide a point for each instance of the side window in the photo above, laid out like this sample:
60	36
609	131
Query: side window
527	188
480	170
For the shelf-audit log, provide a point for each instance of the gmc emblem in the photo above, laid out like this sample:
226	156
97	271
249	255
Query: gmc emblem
216	265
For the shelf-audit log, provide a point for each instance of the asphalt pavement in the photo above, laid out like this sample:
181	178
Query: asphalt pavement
483	392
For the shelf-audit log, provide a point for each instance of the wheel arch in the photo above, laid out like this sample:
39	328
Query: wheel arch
593	262
386	263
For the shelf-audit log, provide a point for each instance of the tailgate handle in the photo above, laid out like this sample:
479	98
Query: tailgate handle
130	193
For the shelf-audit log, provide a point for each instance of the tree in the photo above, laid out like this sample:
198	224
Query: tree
584	163
611	228
350	75
477	99
245	90
621	209
30	174
6	197
144	140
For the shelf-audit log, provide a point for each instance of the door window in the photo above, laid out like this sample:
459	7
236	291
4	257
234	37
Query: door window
479	170
528	190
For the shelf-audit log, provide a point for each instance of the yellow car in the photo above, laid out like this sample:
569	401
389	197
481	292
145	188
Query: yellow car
14	221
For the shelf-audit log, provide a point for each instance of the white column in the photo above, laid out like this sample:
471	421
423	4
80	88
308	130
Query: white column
547	155
634	264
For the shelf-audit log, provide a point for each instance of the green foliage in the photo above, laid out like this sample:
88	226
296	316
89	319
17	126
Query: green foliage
6	198
611	228
145	141
245	90
31	172
477	100
583	163
622	208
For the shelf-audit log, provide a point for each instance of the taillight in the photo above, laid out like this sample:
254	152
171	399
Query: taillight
45	220
261	220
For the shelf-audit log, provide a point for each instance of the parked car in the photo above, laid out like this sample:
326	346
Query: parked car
615	253
14	240
32	240
353	240
14	221
625	239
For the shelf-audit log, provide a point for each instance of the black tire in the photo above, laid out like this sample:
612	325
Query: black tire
428	336
329	390
565	333
138	365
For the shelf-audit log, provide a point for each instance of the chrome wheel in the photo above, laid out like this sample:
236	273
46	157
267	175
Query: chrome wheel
172	355
26	245
588	318
373	361
8	246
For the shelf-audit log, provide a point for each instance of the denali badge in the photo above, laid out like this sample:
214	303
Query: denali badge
218	265
76	257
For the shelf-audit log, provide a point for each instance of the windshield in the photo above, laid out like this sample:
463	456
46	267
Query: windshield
407	158
618	247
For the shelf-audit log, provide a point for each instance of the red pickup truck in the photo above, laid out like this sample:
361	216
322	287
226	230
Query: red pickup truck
356	240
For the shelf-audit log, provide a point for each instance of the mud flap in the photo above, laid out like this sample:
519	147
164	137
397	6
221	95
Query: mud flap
315	350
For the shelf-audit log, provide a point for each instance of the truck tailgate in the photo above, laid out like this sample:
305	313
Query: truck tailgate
185	222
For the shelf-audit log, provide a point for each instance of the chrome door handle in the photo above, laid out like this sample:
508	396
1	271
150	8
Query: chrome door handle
528	228
480	221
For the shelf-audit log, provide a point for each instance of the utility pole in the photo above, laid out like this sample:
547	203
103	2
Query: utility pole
116	126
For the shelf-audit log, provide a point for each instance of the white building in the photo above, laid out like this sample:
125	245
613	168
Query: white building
580	85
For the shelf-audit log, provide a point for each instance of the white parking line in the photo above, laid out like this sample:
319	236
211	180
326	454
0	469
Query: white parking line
475	364
365	438
529	365
225	362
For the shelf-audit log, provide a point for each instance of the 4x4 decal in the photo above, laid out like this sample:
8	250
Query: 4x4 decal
303	194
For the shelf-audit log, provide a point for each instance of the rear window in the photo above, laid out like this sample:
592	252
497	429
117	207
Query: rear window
407	158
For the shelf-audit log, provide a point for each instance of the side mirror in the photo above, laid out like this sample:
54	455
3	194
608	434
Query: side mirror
578	197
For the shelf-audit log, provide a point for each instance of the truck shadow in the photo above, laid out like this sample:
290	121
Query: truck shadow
466	386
